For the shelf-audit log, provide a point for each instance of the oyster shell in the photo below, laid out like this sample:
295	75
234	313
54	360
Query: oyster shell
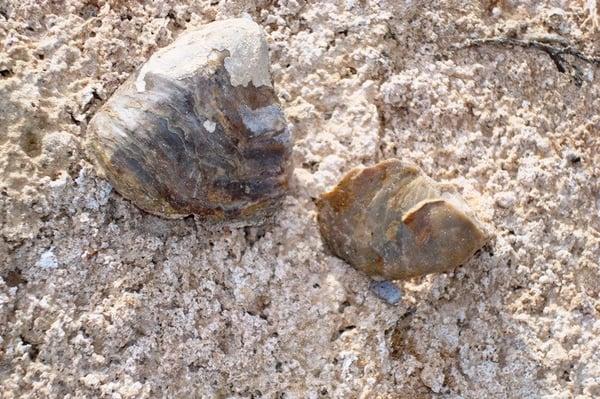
392	221
198	129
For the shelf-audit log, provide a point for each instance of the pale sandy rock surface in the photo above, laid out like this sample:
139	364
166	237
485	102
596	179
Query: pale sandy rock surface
98	299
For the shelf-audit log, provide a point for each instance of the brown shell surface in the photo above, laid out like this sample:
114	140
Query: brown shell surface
391	221
197	145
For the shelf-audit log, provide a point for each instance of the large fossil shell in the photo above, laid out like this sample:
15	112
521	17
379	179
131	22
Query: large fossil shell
392	221
198	129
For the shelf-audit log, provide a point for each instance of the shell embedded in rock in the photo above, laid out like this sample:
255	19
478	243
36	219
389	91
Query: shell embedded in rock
198	129
392	221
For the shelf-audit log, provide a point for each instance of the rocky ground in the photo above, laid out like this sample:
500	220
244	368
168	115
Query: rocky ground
99	299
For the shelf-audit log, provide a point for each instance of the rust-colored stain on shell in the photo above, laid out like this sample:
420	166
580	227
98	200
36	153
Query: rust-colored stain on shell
391	220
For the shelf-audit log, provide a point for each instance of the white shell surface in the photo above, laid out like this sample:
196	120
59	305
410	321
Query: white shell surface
242	38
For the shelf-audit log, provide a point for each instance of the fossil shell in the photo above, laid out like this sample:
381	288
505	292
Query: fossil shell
392	221
198	129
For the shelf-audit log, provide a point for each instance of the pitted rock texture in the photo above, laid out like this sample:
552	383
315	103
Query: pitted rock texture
390	220
187	135
99	299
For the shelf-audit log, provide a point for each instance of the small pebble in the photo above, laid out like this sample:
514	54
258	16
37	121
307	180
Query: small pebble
387	291
505	199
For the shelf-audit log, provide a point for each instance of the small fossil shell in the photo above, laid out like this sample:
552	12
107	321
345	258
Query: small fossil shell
198	129
392	221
